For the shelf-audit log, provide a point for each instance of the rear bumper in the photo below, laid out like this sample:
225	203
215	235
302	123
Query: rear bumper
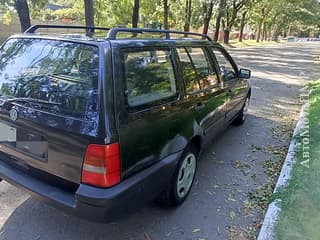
99	204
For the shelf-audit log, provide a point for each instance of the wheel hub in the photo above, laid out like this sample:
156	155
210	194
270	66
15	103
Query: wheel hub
186	175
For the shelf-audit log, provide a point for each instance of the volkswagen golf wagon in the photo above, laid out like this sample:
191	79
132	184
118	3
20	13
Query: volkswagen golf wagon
100	125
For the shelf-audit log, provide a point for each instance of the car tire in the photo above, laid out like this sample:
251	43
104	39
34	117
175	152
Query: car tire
242	115
182	180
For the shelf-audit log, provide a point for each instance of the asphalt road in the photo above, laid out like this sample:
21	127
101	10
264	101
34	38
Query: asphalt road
232	167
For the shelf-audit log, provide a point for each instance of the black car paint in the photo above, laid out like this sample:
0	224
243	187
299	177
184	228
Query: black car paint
151	139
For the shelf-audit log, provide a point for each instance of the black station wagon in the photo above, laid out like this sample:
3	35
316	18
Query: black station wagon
98	126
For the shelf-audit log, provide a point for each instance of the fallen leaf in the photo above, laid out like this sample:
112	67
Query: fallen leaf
232	215
210	193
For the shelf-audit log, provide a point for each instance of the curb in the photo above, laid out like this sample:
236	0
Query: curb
270	219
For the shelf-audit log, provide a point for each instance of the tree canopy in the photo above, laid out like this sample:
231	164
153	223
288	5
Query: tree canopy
266	19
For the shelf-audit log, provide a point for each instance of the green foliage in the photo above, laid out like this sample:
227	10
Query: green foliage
113	13
271	17
289	17
7	18
6	7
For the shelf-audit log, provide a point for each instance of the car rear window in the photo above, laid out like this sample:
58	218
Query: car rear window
55	76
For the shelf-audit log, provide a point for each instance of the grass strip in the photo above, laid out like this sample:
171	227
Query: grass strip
300	209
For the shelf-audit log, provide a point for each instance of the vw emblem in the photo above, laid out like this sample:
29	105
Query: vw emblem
13	114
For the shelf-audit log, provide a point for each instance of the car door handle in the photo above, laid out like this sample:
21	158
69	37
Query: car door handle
199	106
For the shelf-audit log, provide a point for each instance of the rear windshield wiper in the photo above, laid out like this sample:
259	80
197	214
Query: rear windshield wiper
35	103
33	100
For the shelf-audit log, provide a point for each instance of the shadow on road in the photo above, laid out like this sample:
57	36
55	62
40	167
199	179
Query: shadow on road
217	201
206	209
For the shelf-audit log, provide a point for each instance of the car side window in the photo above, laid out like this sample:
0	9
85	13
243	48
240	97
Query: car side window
197	70
227	70
149	76
188	71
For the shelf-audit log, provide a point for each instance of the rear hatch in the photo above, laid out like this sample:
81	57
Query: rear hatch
48	105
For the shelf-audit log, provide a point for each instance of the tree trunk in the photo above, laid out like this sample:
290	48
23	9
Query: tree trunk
89	16
269	35
205	25
263	31
226	36
289	31
207	18
216	33
266	35
135	14
22	8
230	21
227	26
259	30
218	20
166	12
276	33
242	25
186	27
261	20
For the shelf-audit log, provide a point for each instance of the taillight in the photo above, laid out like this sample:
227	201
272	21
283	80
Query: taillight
101	166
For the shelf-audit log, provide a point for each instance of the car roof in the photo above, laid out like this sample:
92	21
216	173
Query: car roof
130	35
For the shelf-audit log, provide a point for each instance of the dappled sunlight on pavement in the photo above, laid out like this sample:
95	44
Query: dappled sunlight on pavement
234	172
11	198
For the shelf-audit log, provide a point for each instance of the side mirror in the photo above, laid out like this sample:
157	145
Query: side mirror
244	73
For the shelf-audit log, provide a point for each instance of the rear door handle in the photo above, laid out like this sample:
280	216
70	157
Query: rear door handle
199	106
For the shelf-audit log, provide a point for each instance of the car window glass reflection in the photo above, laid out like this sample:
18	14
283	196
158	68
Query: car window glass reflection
197	71
149	77
62	75
226	69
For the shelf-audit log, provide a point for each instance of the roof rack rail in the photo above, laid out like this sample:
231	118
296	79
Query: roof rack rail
112	34
90	29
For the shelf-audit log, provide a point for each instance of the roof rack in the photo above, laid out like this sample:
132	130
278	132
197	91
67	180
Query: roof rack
90	29
112	32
